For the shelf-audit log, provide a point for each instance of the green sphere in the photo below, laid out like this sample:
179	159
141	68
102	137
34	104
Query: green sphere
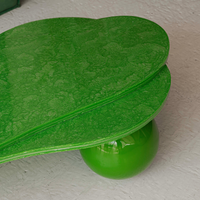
125	157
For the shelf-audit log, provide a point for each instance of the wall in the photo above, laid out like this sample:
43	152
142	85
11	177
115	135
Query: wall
175	172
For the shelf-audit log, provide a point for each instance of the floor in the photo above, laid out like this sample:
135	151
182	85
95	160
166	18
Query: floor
175	172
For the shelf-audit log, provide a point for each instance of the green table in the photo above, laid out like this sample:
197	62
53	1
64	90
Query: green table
78	83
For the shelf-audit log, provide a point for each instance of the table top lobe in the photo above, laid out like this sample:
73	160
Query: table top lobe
68	83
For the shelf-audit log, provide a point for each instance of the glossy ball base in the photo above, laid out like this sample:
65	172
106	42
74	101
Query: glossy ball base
125	157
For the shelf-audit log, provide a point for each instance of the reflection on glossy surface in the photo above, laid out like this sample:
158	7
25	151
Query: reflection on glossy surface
125	157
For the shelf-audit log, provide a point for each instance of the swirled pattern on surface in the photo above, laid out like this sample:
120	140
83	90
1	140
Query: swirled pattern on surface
56	69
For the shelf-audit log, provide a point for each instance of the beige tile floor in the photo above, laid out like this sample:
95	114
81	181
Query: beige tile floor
175	172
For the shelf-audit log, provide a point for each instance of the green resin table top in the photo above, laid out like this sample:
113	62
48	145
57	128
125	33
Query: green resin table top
71	83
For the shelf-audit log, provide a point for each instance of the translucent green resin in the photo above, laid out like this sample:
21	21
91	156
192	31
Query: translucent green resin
71	83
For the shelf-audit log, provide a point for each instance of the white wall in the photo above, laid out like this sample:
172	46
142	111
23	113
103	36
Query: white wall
175	172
